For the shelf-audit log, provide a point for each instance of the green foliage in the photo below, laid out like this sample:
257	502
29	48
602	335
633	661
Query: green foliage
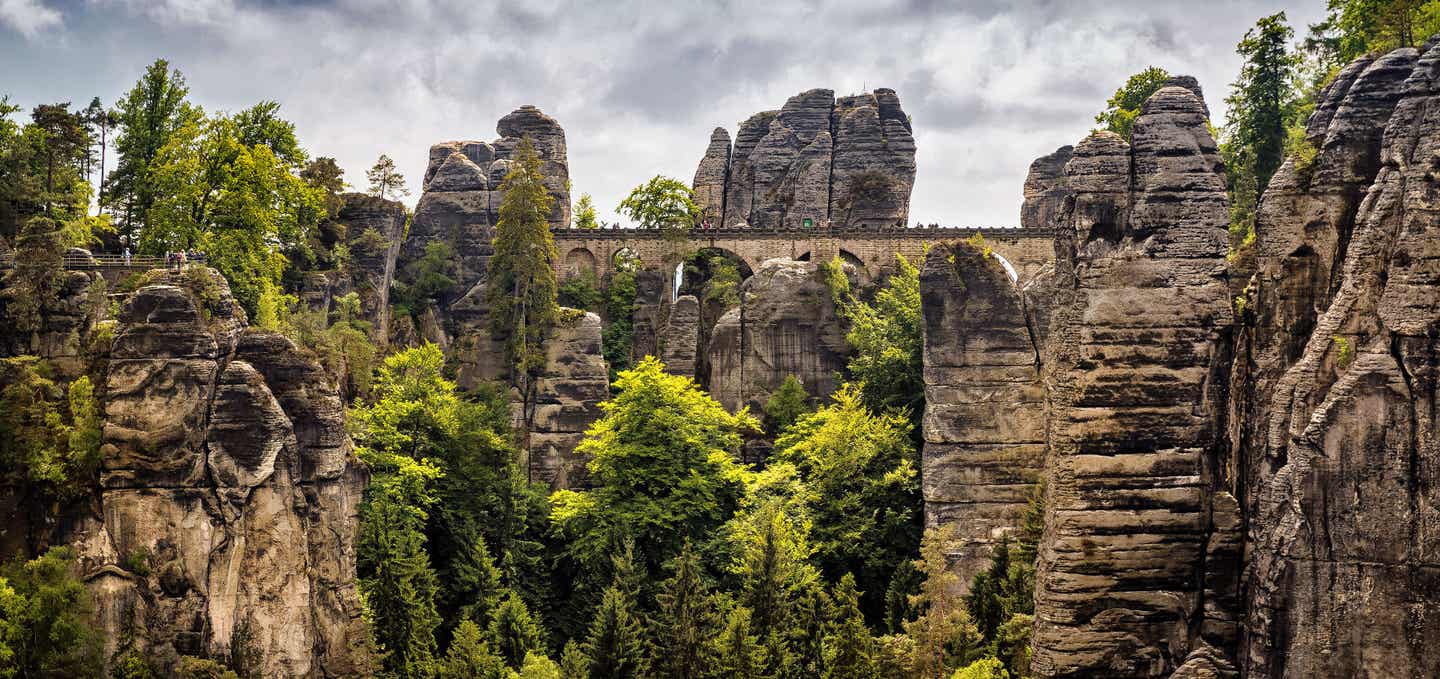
1123	107
663	460
325	175
984	668
522	286
398	584
1352	28
150	115
470	657
618	335
862	490
574	664
53	432
944	636
1002	597
850	651
786	405
46	619
515	632
191	667
740	653
425	278
581	291
662	203
886	336
616	642
537	666
384	179
723	285
585	213
1344	351
1262	101
686	623
243	204
344	346
33	285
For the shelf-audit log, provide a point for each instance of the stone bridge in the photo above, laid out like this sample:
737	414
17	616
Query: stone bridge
870	249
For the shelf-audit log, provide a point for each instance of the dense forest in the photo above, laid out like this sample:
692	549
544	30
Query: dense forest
679	558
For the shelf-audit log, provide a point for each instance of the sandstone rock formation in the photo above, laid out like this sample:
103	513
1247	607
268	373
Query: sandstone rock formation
984	423
1046	190
372	230
682	336
786	324
568	393
1339	458
848	162
229	490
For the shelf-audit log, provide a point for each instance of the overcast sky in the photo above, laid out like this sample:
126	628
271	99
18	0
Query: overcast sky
638	86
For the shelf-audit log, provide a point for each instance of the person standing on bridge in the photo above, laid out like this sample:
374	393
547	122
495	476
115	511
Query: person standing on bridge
127	255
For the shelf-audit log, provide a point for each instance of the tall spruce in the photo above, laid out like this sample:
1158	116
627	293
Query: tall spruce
686	622
740	653
522	275
616	643
400	588
1261	104
849	650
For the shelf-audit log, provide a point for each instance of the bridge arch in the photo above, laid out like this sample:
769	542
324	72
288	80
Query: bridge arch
698	268
577	261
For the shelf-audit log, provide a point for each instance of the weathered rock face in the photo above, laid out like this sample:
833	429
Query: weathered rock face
682	336
786	324
849	161
1046	190
459	208
375	232
984	422
568	394
228	474
1342	575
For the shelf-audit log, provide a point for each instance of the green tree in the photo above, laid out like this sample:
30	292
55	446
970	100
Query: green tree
63	145
662	203
786	405
849	651
470	657
860	472
522	287
616	643
944	636
618	335
240	203
580	291
471	586
424	279
663	461
384	178
1123	107
1352	28
515	631
149	115
774	572
398	584
1262	98
538	666
740	653
573	662
984	668
886	336
46	619
325	175
686	622
585	213
32	286
53	431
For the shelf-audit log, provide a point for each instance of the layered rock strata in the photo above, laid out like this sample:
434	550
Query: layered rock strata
984	423
229	491
568	393
847	161
682	336
786	324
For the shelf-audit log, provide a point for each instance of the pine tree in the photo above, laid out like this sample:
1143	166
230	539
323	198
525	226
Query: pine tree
401	590
616	644
849	651
741	656
574	664
522	287
383	178
149	116
1262	99
786	405
471	585
944	636
515	632
686	623
585	213
470	657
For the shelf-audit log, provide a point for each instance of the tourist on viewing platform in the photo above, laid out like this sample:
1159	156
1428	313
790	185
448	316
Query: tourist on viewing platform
127	255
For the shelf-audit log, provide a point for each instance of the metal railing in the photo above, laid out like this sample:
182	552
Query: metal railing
800	232
83	262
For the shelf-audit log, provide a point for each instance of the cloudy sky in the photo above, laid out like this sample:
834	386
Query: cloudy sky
638	86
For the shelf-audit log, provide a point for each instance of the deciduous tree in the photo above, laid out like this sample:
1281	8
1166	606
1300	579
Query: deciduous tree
1123	107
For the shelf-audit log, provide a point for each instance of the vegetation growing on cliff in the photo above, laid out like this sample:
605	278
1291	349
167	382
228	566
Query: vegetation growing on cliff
522	287
1123	107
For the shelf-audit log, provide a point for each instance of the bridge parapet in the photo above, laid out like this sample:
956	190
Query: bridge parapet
800	233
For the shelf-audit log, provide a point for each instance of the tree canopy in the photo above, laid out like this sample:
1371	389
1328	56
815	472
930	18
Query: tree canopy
1123	107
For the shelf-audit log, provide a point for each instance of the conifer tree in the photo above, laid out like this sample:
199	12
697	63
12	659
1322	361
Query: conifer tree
944	636
515	631
687	622
384	178
401	589
786	404
740	653
1262	101
585	213
849	651
522	287
149	116
616	644
574	664
470	656
472	584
